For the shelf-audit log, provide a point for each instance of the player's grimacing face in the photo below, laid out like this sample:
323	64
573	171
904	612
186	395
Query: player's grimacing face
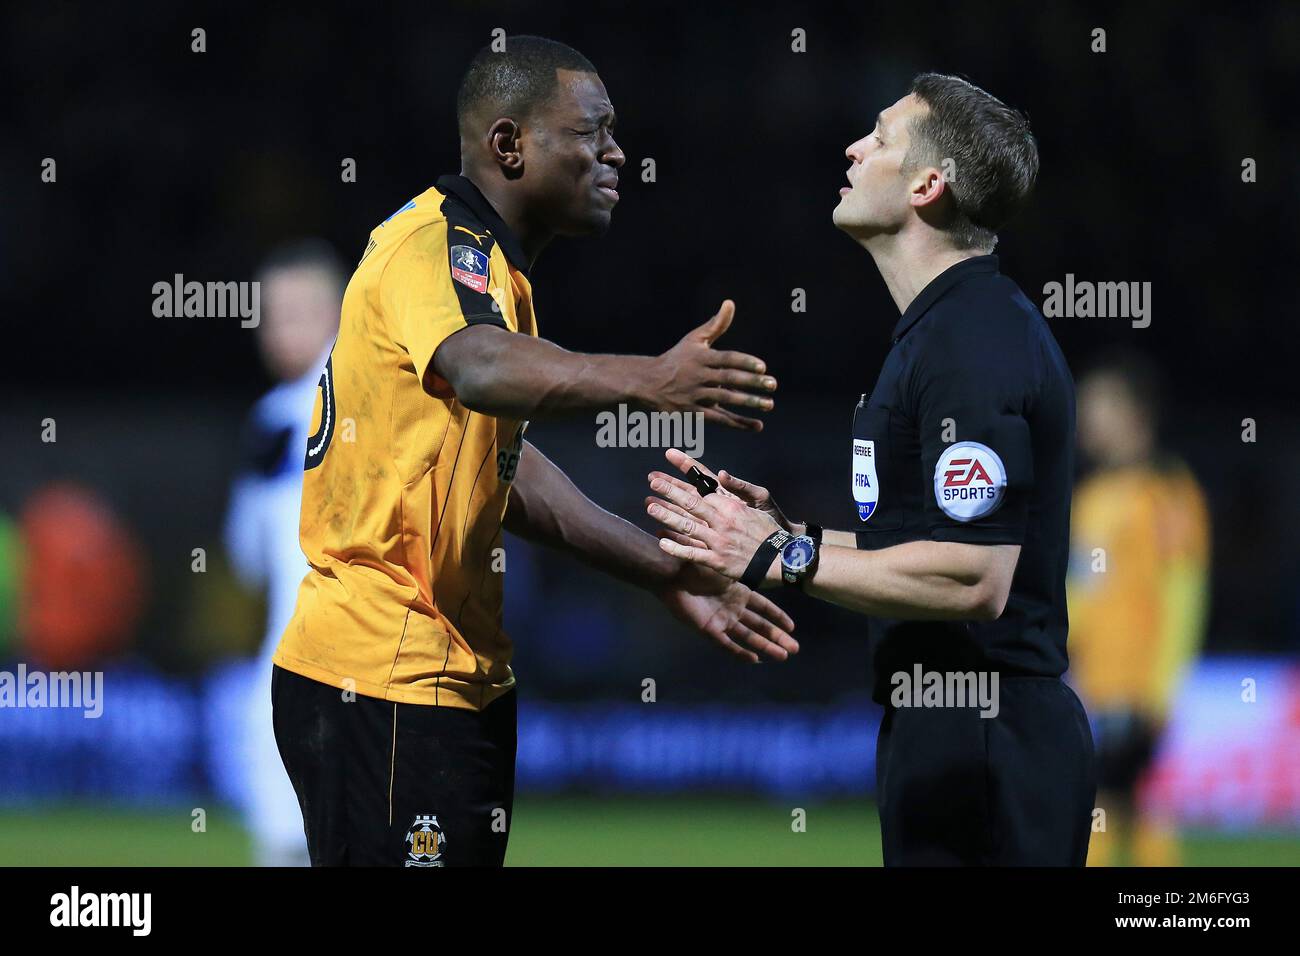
573	156
876	197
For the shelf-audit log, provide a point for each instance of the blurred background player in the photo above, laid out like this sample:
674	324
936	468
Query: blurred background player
301	291
1138	605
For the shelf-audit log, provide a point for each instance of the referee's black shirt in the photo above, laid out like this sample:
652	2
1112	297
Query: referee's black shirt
969	436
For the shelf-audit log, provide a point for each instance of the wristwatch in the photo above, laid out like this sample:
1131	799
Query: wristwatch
799	558
803	551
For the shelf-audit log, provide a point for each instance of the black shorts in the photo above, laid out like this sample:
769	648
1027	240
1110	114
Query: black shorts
388	784
1018	789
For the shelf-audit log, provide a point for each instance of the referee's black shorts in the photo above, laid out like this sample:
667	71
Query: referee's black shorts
1018	789
388	784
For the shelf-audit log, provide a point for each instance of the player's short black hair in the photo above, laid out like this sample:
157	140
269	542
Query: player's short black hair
994	155
515	80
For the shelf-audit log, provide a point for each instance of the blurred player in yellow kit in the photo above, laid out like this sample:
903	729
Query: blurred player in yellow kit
1138	590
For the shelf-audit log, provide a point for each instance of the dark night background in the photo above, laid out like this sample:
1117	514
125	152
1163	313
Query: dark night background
172	161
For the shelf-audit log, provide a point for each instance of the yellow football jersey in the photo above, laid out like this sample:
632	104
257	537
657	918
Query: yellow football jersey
405	488
1138	585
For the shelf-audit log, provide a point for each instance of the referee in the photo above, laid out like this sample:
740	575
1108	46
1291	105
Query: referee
959	503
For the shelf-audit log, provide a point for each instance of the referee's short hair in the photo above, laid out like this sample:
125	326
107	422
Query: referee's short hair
516	80
994	155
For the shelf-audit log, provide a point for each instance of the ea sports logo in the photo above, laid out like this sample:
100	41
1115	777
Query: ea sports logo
969	481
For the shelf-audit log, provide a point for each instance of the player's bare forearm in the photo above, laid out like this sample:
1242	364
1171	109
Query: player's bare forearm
547	508
517	376
920	580
498	372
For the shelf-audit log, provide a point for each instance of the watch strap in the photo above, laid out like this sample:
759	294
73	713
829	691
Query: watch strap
763	558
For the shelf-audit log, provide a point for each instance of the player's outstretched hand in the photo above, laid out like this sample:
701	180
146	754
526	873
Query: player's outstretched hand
718	532
740	621
756	496
693	376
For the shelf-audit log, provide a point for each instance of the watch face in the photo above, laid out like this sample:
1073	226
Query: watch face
798	554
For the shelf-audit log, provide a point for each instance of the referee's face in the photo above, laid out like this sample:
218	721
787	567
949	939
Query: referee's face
571	157
875	200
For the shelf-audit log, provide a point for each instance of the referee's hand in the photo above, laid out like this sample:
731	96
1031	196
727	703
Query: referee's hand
756	496
725	533
693	376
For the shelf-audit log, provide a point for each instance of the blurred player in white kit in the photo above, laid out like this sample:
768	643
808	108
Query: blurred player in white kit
301	291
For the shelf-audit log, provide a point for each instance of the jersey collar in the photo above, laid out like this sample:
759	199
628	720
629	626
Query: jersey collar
939	286
464	190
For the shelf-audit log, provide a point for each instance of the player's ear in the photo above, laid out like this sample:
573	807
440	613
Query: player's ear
503	143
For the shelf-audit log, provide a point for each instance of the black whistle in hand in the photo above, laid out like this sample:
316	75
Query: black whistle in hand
702	482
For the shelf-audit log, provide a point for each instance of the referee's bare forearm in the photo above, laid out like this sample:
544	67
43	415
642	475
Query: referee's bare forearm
918	581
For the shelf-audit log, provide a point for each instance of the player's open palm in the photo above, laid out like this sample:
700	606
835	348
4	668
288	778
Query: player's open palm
737	619
696	377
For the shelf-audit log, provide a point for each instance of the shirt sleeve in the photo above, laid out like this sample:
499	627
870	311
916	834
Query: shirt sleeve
970	395
432	289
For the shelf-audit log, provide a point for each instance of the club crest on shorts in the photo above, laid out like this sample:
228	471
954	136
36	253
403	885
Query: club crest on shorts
970	481
866	489
469	266
425	842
